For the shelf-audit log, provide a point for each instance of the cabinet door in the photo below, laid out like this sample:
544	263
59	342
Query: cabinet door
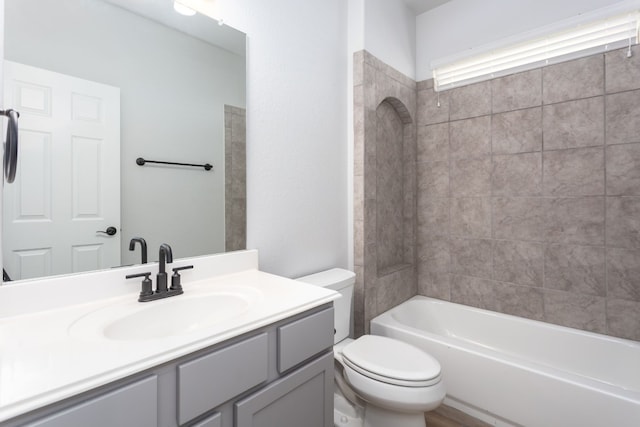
135	405
211	380
214	420
302	398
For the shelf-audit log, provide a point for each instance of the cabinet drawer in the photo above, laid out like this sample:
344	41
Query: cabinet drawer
211	380
304	338
135	405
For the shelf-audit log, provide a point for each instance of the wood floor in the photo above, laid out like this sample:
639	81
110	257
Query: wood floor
446	416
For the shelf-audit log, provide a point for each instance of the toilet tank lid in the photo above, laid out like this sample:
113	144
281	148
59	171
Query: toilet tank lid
336	278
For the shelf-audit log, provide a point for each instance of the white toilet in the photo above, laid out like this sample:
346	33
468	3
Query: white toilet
380	381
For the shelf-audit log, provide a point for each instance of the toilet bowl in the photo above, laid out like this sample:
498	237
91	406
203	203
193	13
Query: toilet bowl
380	382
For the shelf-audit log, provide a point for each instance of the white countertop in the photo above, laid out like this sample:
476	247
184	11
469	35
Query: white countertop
51	354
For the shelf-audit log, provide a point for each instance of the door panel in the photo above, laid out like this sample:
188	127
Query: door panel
68	182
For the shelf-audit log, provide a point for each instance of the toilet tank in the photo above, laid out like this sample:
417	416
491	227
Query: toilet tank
342	281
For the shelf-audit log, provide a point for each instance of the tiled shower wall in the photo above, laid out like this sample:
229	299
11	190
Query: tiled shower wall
235	178
528	194
384	188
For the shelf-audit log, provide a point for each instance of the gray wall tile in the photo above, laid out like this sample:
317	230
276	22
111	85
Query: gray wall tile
369	73
545	212
517	131
623	273
471	177
522	90
428	110
575	310
433	143
623	226
433	179
358	243
433	216
433	255
471	217
424	84
390	72
518	262
470	101
471	257
518	218
400	96
575	220
517	174
573	124
575	172
623	117
580	78
623	318
436	286
623	170
394	288
470	137
358	131
390	189
575	269
522	301
358	301
358	67
623	73
385	188
358	198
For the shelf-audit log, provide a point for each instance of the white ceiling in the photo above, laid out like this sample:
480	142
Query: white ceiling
199	26
421	6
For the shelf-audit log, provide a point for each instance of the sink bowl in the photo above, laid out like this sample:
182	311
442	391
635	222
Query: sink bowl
183	314
176	317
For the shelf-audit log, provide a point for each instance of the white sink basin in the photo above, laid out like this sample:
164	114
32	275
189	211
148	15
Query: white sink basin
182	314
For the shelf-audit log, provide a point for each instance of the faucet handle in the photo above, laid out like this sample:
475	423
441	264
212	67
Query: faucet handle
175	278
147	289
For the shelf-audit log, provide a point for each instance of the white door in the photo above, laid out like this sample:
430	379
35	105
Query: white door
67	186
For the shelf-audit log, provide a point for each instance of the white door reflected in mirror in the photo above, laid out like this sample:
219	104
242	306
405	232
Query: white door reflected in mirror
67	189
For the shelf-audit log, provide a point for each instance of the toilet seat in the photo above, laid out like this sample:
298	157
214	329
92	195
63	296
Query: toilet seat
391	361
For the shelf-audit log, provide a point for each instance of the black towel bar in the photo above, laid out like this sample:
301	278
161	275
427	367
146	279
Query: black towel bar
140	161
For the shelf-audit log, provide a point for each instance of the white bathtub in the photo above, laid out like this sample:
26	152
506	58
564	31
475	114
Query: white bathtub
508	370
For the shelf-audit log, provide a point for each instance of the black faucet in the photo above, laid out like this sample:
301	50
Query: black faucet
166	255
143	247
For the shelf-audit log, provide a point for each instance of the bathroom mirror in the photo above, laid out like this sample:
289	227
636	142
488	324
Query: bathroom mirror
99	84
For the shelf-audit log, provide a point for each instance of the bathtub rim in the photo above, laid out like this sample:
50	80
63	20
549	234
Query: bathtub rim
525	320
386	320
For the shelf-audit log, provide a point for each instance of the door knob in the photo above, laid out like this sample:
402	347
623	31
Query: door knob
110	231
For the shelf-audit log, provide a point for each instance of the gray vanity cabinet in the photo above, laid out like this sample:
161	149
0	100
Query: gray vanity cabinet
298	399
134	405
213	379
214	420
301	339
280	375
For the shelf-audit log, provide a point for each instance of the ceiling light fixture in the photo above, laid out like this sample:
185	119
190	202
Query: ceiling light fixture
210	8
182	9
579	41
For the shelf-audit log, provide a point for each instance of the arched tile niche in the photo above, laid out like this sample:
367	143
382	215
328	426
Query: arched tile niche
384	188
